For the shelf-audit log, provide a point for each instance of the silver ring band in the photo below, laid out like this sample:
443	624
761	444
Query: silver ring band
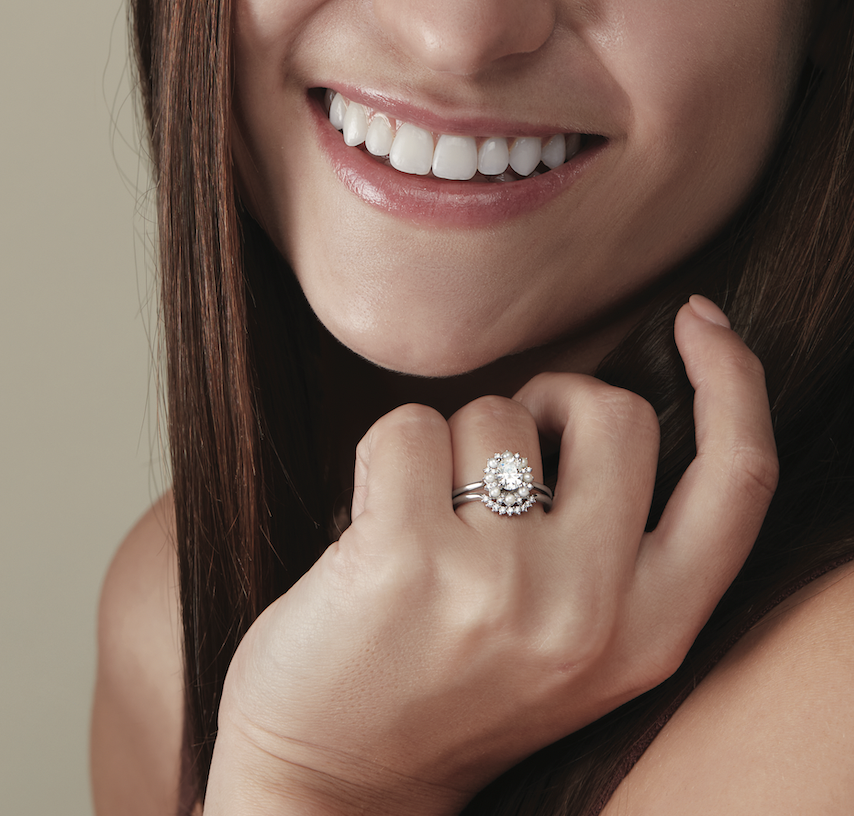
462	495
469	488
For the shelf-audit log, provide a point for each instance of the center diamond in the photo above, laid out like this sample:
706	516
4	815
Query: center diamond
509	475
509	486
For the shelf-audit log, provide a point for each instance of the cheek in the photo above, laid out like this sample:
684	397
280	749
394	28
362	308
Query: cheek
270	24
708	81
709	85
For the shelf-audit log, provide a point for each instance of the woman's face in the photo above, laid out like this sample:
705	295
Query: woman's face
673	106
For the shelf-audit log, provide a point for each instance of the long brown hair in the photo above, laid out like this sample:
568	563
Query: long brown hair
247	463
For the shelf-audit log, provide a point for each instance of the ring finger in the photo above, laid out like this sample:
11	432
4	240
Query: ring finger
480	430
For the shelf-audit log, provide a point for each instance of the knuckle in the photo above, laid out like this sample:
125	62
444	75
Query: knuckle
755	469
411	421
614	404
742	359
546	380
491	409
414	413
550	388
619	413
643	415
363	449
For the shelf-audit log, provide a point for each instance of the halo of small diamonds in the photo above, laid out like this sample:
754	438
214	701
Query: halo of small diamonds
507	480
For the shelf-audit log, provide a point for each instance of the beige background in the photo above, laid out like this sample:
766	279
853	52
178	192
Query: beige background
77	422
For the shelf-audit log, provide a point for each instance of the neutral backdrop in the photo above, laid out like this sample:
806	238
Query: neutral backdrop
79	457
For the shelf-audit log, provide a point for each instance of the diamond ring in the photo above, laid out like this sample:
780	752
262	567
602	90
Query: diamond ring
507	487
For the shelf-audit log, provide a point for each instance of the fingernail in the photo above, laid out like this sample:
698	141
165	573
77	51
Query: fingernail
705	309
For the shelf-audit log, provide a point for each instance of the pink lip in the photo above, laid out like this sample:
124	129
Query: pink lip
430	201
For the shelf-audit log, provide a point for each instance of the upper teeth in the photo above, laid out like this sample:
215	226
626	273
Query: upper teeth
412	149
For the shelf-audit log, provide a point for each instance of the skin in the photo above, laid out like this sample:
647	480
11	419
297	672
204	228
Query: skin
415	622
429	580
689	95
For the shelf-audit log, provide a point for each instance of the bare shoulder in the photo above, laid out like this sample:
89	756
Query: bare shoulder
138	708
771	729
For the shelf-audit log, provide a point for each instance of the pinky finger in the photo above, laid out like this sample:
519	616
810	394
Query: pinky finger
711	522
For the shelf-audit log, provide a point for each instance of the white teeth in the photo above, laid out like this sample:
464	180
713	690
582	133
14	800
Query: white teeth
380	136
493	156
455	157
355	125
525	155
554	151
337	110
412	150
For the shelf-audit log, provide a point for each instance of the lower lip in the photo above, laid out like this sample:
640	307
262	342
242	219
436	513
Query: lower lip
442	203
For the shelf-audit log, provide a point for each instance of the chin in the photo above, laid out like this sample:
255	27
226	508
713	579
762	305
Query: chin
425	364
419	357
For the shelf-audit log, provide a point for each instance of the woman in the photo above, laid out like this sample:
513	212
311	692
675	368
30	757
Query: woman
438	658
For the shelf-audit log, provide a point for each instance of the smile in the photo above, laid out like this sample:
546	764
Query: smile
415	151
415	170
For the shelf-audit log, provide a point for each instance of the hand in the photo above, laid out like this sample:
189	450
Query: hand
430	650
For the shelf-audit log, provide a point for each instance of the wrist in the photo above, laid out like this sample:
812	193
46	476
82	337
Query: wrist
258	774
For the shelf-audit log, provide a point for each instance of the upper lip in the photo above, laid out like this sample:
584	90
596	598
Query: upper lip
432	119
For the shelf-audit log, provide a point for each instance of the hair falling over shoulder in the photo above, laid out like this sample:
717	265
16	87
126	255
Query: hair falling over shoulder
247	459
